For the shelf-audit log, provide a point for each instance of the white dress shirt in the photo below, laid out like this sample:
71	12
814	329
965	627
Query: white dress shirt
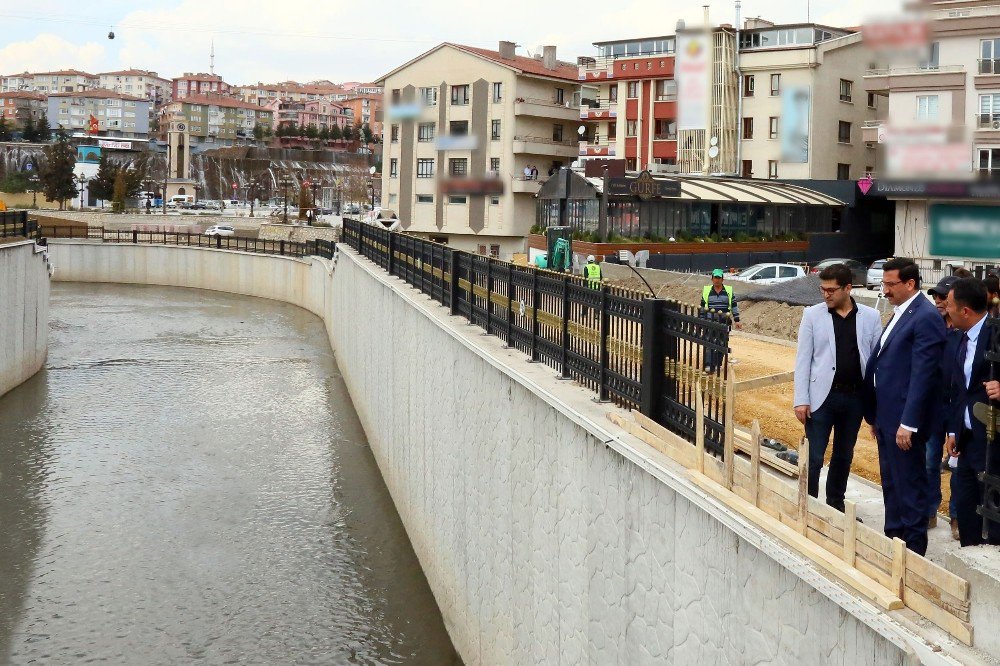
896	315
970	356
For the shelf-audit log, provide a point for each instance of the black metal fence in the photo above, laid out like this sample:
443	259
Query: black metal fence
641	353
15	223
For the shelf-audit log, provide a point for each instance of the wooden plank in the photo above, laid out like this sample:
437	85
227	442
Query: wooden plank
741	441
959	609
764	382
941	578
729	443
699	426
683	454
877	541
755	463
898	565
954	626
804	484
850	531
858	582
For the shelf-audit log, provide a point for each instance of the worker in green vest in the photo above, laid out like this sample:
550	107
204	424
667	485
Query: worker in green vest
592	271
719	297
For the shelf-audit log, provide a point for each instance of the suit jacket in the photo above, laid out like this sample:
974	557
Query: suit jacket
902	373
958	398
816	356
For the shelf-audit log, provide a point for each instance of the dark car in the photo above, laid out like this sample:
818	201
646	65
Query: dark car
859	271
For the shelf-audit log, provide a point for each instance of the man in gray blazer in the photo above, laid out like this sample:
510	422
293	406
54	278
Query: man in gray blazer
836	338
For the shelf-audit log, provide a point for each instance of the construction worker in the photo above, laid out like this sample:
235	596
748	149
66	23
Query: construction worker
718	296
592	271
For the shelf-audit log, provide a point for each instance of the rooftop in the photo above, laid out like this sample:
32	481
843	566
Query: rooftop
22	94
66	72
131	72
100	93
563	70
218	100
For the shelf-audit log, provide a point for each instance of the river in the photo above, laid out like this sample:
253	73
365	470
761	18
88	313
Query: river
188	481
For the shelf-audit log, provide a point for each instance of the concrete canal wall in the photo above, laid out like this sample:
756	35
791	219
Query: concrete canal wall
547	534
24	312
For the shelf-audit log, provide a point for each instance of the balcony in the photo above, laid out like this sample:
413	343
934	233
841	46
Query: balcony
541	145
545	108
913	78
522	185
598	148
870	130
597	69
603	111
665	136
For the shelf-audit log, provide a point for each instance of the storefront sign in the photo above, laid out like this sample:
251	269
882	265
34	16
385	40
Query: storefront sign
115	145
644	186
795	124
964	231
930	189
693	74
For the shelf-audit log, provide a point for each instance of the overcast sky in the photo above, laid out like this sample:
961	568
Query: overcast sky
265	40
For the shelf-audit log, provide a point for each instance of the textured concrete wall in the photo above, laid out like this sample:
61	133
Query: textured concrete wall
547	535
24	313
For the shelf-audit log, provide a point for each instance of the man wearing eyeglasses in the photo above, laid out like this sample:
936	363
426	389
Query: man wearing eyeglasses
901	381
836	338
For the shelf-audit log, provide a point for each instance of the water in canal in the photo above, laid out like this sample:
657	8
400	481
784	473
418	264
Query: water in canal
187	481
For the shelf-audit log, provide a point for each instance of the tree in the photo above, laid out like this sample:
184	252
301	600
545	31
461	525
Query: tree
258	131
311	131
324	134
135	174
28	133
102	186
118	198
335	133
4	131
366	133
291	129
304	204
56	173
350	133
43	132
303	131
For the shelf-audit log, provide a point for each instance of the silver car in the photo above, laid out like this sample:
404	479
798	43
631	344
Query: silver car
874	278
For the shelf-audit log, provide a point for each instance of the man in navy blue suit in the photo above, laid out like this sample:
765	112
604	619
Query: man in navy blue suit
900	378
967	381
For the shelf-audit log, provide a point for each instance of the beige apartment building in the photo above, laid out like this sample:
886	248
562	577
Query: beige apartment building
263	94
22	82
138	83
218	120
952	100
63	81
810	73
461	120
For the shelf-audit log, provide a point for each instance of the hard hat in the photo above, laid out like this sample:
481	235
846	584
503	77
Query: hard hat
590	258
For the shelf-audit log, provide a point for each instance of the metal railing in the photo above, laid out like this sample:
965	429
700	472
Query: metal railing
645	354
929	69
15	224
547	140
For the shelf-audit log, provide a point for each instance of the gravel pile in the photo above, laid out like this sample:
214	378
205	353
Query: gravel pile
803	291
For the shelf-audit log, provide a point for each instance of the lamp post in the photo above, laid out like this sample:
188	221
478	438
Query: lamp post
371	187
81	180
34	190
252	187
149	196
285	182
166	175
314	186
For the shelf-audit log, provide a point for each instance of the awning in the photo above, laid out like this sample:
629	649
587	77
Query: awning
736	190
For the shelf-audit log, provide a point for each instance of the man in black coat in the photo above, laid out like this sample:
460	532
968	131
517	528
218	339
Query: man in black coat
966	378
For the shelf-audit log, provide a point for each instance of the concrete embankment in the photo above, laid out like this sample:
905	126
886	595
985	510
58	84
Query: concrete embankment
547	534
24	312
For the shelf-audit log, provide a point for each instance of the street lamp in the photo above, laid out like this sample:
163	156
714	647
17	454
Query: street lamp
253	187
166	175
314	186
149	196
81	179
285	183
371	187
34	190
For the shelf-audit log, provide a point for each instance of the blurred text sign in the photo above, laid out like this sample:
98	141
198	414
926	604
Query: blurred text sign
964	231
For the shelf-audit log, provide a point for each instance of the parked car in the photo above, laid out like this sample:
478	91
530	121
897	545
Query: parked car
858	270
873	280
220	230
769	273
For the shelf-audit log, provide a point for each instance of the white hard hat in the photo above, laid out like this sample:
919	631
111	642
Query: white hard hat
590	258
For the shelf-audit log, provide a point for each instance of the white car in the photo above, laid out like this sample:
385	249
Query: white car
220	230
874	278
769	273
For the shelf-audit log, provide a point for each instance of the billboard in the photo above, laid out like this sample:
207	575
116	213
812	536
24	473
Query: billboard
88	154
693	72
795	124
964	231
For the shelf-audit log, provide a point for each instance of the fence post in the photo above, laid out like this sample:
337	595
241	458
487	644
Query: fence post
602	389
654	353
489	292
472	288
392	250
534	315
135	236
281	247
218	242
510	305
453	296
24	225
565	328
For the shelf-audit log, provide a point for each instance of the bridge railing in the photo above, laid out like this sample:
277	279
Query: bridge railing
15	223
641	353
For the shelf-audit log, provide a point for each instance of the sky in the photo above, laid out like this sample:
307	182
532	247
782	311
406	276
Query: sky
306	40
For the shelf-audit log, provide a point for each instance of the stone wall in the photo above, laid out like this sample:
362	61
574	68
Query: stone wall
547	535
24	312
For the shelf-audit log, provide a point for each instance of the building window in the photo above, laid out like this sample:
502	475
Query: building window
495	130
497	92
494	201
392	197
458	199
989	50
869	169
772	127
871	100
630	163
846	90
394	133
560	96
989	110
613	93
395	95
927	107
393	168
843	172
747	171
425	198
666	89
458	127
425	132
429	96
844	132
989	160
425	168
460	95
495	166
748	85
631	127
458	166
557	133
495	251
775	85
633	89
772	168
666	129
748	128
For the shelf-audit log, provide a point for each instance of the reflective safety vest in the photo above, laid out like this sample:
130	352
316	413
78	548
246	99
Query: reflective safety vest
593	272
707	291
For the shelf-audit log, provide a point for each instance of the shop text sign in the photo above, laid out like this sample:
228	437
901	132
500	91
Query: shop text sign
644	186
964	231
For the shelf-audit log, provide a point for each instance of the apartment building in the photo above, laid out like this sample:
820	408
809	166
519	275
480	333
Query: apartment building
263	94
367	109
218	121
462	124
17	107
63	81
949	101
804	105
17	82
117	114
321	113
138	83
190	85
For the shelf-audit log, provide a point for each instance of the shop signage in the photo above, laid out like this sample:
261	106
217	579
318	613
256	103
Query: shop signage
931	189
115	145
964	231
644	186
693	74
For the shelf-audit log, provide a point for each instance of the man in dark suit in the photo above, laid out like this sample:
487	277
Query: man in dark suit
900	377
967	375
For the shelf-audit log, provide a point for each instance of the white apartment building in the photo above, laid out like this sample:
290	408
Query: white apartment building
137	83
63	81
461	120
22	82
